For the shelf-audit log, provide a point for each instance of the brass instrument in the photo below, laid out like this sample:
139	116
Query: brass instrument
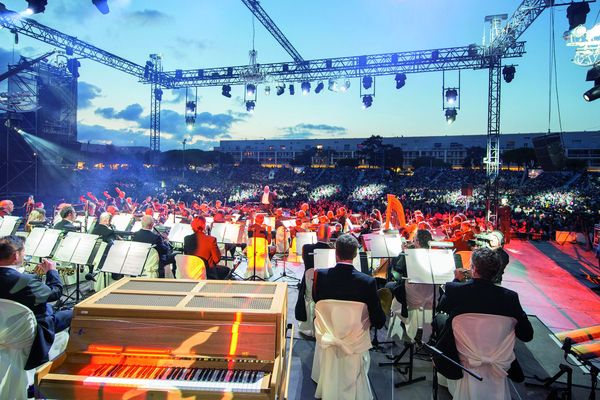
176	339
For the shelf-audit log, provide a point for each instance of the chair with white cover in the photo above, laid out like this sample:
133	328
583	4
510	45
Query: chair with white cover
341	360
308	327
17	332
419	300
151	266
190	267
485	344
281	240
257	252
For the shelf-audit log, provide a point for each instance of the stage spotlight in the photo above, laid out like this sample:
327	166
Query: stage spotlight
102	6
593	75
158	93
305	87
451	115
226	91
508	72
250	106
267	90
319	87
190	106
73	67
292	90
345	86
451	96
400	80
577	14
280	89
367	81
36	6
332	85
367	101
250	90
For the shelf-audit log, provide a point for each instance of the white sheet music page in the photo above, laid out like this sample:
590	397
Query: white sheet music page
232	233
324	258
44	249
116	256
84	249
33	240
121	221
67	247
180	231
422	263
218	231
136	258
8	225
393	244
303	238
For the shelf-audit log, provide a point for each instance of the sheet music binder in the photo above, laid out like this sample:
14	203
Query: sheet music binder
421	264
325	259
9	225
127	258
179	231
303	238
41	242
76	248
384	246
121	221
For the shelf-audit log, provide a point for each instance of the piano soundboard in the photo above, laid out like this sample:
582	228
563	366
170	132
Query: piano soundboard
166	338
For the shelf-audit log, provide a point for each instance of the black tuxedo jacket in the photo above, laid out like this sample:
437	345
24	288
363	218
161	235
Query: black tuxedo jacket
146	236
482	297
65	225
344	282
107	234
309	262
28	290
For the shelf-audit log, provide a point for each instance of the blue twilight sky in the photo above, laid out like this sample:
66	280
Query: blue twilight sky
114	107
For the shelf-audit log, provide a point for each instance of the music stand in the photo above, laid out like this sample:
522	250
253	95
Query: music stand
228	233
9	225
126	258
78	249
282	256
41	242
178	232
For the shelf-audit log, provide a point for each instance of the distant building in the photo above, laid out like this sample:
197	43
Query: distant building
450	149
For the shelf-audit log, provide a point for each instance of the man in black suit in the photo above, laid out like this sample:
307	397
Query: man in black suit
481	296
68	215
145	235
104	229
267	199
29	290
308	257
344	282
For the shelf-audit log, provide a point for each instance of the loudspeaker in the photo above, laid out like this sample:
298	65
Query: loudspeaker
549	151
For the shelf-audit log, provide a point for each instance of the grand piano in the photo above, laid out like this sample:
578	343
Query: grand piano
170	339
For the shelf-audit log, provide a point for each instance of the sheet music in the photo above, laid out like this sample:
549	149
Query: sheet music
386	246
33	240
8	225
136	258
179	231
137	225
324	258
270	221
232	233
85	248
121	221
90	221
170	221
56	219
46	245
368	237
303	238
218	231
288	223
67	247
116	256
420	264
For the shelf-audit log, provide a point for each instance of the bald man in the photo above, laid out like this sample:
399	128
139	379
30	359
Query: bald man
146	235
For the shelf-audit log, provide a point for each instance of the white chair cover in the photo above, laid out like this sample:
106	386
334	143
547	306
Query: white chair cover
190	267
419	299
485	344
281	240
151	265
308	327
17	332
341	360
257	252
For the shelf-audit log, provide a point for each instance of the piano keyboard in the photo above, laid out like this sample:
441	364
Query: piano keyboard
152	377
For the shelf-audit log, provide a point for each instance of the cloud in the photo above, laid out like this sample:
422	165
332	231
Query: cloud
194	44
178	96
86	92
148	17
132	112
118	137
306	131
76	11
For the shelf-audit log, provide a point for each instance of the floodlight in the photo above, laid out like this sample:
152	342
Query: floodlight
292	90
345	86
400	80
102	6
226	91
593	75
250	106
267	90
305	87
36	6
508	72
577	14
367	101
250	90
451	115
451	96
367	81
280	90
332	85
319	87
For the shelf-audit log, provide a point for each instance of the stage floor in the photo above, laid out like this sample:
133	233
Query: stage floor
554	284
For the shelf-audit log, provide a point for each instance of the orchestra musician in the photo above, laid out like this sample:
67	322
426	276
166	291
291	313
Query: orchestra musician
201	245
67	215
104	229
162	246
6	207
